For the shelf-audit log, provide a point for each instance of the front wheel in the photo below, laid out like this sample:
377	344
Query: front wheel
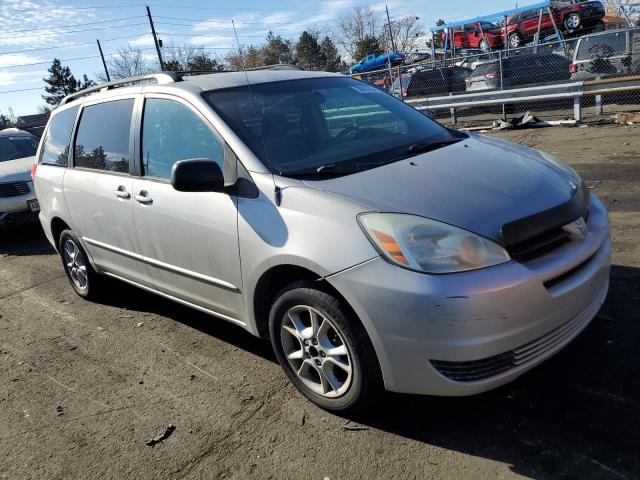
484	45
323	349
515	40
573	21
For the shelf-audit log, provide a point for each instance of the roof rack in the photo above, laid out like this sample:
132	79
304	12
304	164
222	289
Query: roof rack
277	66
160	78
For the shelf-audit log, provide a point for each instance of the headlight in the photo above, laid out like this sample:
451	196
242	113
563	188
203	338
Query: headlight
429	246
562	165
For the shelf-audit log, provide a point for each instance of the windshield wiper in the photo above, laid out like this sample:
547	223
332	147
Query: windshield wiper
330	169
417	148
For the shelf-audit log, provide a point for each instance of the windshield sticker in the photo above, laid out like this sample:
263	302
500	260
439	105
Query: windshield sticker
19	138
364	88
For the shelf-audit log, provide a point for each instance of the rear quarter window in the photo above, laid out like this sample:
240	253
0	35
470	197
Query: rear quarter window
55	146
602	46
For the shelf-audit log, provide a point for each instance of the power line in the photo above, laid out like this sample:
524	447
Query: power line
21	90
76	31
69	59
207	36
73	44
72	25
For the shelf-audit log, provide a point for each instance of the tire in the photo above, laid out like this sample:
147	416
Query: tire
573	21
338	338
84	280
515	40
484	45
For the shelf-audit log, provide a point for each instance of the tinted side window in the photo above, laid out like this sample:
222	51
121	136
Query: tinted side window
102	142
55	149
172	131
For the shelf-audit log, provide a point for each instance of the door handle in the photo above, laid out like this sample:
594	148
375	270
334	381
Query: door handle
143	197
120	192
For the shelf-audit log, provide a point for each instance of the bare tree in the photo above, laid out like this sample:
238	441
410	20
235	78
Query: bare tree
128	62
613	6
353	27
406	31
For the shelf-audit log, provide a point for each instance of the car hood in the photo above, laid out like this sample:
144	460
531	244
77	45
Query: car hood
16	170
478	184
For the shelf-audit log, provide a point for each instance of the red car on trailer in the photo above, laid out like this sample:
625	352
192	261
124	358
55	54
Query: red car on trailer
570	15
484	35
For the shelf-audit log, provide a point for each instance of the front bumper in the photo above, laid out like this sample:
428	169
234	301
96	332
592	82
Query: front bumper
14	210
529	310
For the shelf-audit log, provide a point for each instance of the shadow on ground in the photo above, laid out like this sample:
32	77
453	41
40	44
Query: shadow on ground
576	416
24	240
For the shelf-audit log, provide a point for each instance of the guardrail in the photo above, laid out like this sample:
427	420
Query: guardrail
574	90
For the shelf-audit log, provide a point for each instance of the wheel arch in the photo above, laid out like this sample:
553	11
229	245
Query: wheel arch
58	225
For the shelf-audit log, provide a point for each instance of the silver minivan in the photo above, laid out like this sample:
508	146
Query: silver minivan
375	248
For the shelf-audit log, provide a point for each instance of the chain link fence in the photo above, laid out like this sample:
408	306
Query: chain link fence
604	55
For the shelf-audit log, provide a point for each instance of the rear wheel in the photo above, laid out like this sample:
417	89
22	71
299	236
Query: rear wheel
484	44
323	349
82	277
572	21
515	40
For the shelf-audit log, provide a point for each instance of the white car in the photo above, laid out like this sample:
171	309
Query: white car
18	203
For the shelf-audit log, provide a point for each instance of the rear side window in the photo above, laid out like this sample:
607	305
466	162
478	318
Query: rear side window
55	147
171	131
102	141
484	69
602	46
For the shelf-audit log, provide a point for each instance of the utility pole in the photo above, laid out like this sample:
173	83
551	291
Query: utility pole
104	64
393	46
155	39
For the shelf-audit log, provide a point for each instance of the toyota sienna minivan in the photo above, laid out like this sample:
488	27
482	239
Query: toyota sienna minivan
375	248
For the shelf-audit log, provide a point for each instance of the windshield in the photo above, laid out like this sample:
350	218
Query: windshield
307	125
13	147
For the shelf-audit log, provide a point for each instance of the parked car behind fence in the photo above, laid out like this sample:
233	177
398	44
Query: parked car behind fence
519	71
607	55
429	82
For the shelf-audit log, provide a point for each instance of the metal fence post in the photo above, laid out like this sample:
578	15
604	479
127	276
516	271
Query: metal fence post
599	105
400	83
454	117
577	109
504	112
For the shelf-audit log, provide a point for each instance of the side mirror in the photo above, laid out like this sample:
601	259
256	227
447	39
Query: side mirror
197	175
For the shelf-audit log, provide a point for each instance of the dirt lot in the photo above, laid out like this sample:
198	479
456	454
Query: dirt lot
84	385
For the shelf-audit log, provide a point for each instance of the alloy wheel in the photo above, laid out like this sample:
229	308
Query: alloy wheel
573	21
316	351
514	41
76	266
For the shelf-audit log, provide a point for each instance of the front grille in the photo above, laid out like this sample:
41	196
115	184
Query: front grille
539	245
13	189
491	366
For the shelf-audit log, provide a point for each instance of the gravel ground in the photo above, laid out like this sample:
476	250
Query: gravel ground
84	386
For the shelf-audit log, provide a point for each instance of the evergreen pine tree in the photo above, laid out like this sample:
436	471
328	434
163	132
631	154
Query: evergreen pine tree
308	52
61	83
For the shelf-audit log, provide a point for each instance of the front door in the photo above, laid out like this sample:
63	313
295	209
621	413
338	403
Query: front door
98	189
188	239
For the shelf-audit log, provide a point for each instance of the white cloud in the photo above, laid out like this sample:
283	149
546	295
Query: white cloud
213	41
145	41
277	18
18	16
17	59
13	78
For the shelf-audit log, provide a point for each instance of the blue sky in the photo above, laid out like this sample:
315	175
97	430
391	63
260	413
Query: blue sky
31	28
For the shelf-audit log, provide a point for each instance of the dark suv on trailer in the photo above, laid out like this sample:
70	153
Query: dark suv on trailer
439	81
